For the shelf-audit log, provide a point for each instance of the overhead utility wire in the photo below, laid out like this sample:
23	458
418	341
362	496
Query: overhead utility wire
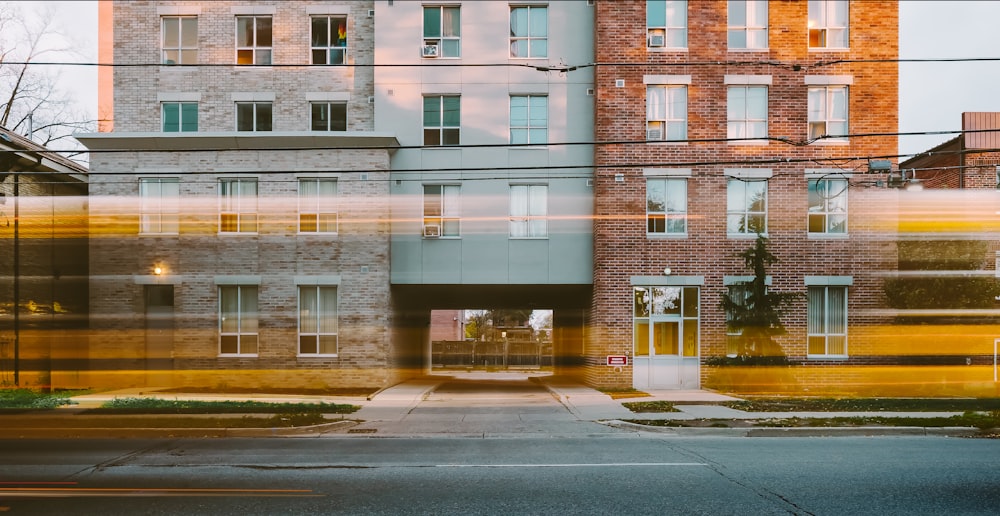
561	67
780	139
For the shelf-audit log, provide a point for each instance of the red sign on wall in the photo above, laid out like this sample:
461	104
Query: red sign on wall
617	360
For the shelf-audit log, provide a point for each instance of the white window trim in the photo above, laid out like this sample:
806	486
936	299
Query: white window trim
827	27
440	39
239	212
298	323
236	117
835	282
746	28
328	103
254	47
749	175
317	211
665	29
239	334
346	46
685	214
456	217
528	217
159	212
180	45
668	82
528	128
746	121
511	39
827	87
814	174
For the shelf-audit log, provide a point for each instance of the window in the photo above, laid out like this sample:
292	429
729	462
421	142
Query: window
443	29
529	119
666	23
827	321
529	211
748	24
328	116
158	205
441	211
739	293
238	320
317	320
238	205
253	40
666	206
666	113
827	111
828	24
442	120
253	116
665	321
317	205
180	39
179	117
828	206
747	112
746	209
329	40
529	31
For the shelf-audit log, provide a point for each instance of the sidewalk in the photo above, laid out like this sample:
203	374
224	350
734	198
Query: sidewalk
467	405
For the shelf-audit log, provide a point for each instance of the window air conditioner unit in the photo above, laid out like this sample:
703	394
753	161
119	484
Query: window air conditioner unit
654	134
429	51
432	230
656	40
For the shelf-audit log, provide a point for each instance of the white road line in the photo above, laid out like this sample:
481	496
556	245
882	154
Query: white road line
582	465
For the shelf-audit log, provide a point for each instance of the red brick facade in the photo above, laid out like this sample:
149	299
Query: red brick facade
706	254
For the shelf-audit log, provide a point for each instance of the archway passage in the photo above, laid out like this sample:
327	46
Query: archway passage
427	314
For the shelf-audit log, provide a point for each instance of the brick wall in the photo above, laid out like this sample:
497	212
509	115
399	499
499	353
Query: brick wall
622	248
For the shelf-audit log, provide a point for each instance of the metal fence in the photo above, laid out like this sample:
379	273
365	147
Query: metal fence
491	354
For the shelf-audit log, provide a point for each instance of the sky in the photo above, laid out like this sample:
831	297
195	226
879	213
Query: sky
932	96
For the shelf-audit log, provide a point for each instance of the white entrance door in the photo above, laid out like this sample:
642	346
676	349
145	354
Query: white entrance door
665	349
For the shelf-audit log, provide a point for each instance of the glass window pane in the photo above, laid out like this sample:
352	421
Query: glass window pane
432	22
189	116
171	38
519	21
328	309
263	117
264	31
736	103
518	136
248	309
656	13
737	38
539	22
244	31
308	309
328	344
320	116
690	338
641	302
451	22
519	111
171	117
189	31
816	309
451	111
432	111
665	338
757	102
320	32
338	117
307	344
655	195
737	13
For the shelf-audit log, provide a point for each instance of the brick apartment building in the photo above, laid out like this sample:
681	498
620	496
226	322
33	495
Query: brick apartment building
732	118
240	205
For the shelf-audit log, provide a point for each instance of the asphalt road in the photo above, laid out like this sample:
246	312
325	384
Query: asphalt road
597	475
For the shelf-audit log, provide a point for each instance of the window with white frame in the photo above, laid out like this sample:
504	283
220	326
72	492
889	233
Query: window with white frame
529	211
748	24
442	120
318	205
253	116
747	112
179	39
443	30
666	23
827	321
159	205
529	31
746	206
317	320
253	40
827	111
237	205
828	23
666	112
665	321
328	116
238	320
666	206
442	211
329	40
529	119
828	206
179	117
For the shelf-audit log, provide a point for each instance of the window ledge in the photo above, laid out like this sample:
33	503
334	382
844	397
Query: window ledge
667	142
663	50
666	236
528	238
750	142
317	355
319	233
831	141
828	236
742	50
149	234
829	49
238	233
237	355
744	236
827	357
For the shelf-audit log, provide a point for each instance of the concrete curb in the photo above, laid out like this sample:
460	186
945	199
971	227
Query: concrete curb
861	431
159	433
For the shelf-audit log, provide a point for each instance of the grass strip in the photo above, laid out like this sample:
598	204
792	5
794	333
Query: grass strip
161	406
650	406
968	419
765	404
